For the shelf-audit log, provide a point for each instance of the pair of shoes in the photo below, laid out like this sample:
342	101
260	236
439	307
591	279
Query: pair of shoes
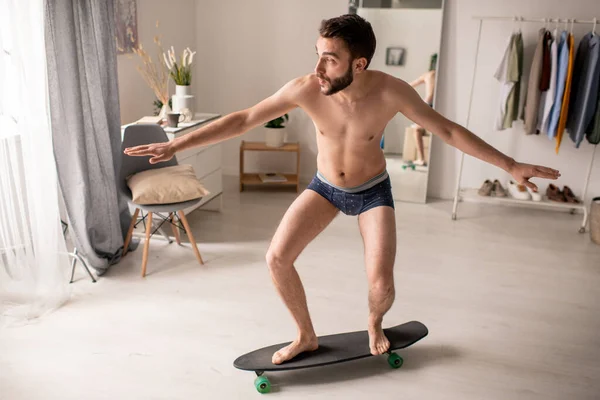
522	192
562	196
490	188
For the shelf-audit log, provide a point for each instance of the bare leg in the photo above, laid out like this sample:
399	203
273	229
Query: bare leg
304	220
378	229
419	133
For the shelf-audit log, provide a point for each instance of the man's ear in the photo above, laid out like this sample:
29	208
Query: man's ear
360	64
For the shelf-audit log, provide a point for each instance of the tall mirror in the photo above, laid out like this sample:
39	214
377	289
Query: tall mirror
408	36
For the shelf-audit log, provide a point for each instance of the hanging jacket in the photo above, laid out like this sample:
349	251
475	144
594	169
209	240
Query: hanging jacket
593	133
581	114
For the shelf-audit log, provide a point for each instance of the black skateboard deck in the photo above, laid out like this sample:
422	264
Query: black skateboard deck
332	349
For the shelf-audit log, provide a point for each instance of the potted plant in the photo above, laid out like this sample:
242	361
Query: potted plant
275	132
181	72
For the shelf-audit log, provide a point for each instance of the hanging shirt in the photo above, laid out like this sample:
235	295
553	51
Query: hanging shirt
561	80
583	108
532	101
515	70
505	85
546	62
564	109
547	99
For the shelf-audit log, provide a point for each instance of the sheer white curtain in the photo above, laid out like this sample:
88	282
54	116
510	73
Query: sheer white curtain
34	265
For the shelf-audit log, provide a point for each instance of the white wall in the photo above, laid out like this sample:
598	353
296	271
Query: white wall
455	74
404	28
177	27
248	50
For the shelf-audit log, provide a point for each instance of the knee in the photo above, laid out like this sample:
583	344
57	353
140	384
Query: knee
383	288
276	261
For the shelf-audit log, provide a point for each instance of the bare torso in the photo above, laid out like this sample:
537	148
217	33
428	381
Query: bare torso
348	135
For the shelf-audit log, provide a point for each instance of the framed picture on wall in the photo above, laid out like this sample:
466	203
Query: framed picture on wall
126	26
394	56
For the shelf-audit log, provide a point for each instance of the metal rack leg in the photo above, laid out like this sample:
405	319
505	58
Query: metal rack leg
585	189
462	156
585	218
76	257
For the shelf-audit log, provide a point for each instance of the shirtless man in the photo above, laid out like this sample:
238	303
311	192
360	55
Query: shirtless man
428	79
350	107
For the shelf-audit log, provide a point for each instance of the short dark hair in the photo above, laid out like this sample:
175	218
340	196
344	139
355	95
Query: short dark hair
355	31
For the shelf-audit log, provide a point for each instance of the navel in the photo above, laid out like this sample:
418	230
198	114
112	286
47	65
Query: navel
342	174
371	138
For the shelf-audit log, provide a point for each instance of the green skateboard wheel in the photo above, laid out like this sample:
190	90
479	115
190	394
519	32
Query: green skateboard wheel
395	360
262	384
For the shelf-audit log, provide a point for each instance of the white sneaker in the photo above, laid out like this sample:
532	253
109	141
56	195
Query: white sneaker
535	196
517	191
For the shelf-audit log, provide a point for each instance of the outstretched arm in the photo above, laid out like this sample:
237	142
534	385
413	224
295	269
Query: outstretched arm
412	106
418	81
232	125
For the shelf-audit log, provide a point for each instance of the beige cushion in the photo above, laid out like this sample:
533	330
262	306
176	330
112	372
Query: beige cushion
166	185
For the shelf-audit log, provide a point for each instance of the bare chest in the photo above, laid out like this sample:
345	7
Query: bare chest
360	122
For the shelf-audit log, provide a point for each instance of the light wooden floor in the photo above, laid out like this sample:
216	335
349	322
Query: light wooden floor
511	298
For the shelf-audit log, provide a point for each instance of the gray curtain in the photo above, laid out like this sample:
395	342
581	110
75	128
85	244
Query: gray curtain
85	117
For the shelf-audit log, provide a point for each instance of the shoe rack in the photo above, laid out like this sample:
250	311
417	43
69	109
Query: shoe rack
472	195
469	194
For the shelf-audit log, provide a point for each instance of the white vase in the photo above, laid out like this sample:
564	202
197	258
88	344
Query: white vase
275	137
164	111
183	90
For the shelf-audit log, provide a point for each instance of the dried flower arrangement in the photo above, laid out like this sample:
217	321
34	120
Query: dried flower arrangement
182	72
156	74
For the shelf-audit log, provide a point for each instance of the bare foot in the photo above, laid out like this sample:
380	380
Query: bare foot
293	349
378	343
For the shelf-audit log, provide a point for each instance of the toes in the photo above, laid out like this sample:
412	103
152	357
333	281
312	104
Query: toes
276	358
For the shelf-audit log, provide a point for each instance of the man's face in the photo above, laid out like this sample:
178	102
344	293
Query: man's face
334	66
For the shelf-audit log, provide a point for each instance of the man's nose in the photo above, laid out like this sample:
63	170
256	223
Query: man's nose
319	68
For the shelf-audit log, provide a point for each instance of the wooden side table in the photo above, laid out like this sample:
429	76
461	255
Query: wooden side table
254	178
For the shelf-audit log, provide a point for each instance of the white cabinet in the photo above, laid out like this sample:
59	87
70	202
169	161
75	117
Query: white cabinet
205	160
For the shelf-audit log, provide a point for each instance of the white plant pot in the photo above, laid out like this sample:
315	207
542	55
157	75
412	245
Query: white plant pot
181	90
275	137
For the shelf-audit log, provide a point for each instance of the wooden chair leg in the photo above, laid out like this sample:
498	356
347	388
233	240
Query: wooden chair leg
147	244
175	229
190	235
130	231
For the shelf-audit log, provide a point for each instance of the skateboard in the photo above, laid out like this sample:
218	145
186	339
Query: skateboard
409	164
332	349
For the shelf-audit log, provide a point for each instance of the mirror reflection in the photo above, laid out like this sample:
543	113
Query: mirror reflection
408	41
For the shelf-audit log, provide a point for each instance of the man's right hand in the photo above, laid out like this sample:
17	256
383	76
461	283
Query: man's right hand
160	152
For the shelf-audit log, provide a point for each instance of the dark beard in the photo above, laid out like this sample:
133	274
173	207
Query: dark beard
341	83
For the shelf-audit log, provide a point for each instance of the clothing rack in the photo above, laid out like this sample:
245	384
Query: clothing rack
466	194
